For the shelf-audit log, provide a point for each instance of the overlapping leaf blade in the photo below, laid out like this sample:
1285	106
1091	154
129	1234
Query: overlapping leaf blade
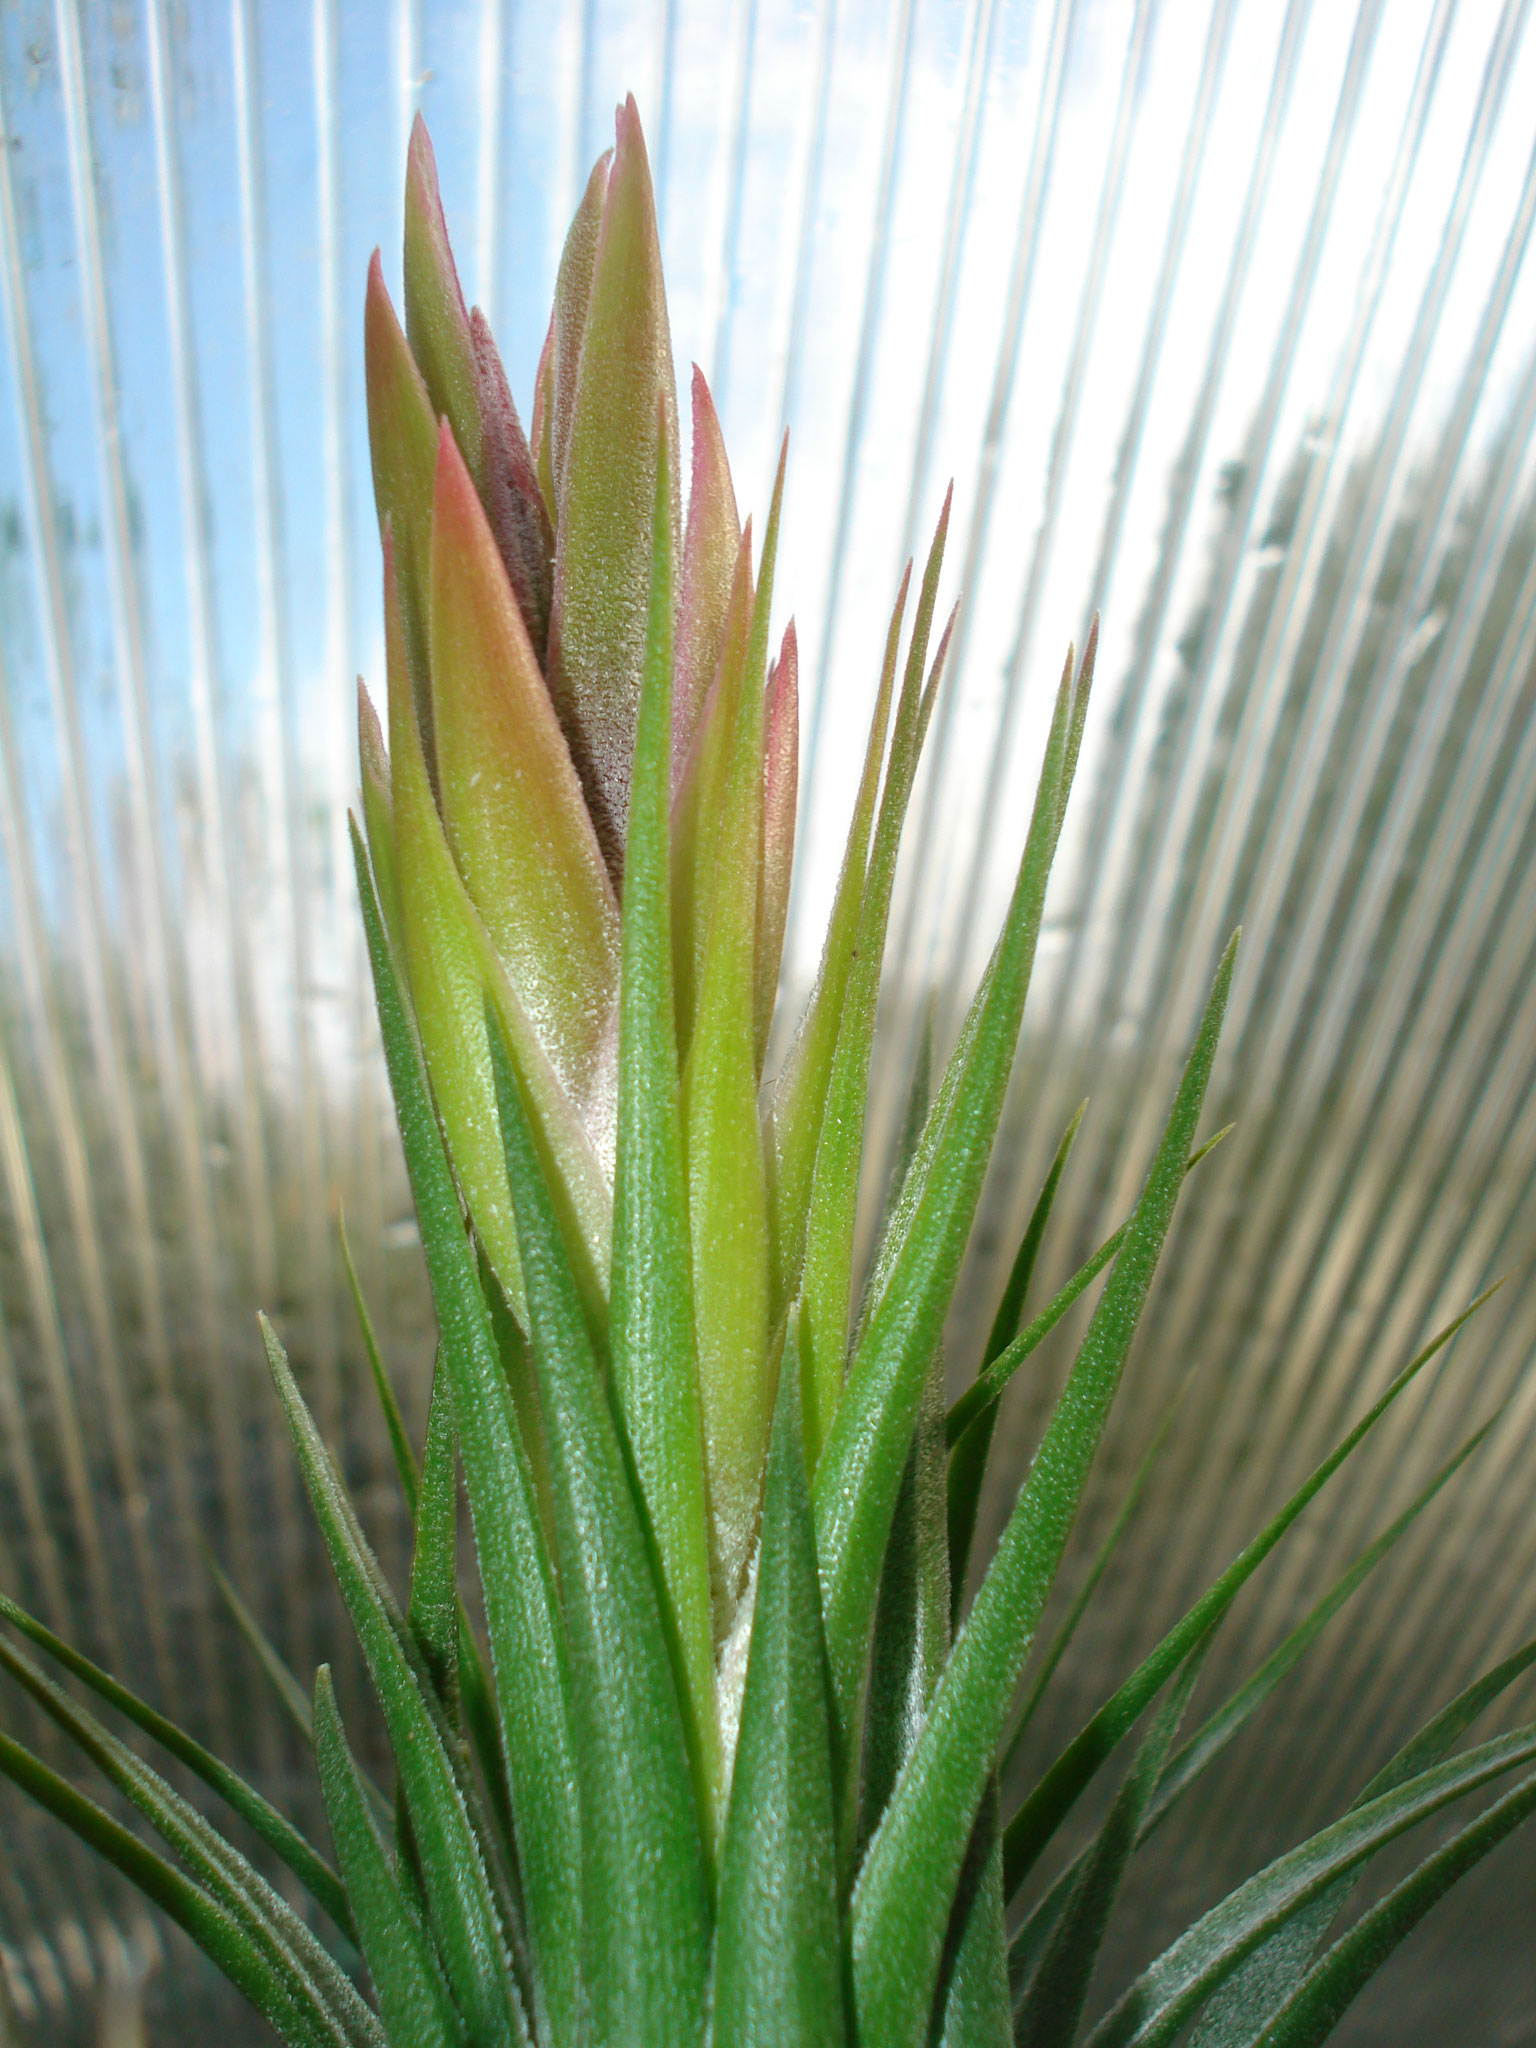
522	1616
413	1998
860	1470
909	1874
1042	1812
458	1889
1156	2008
643	1858
653	1353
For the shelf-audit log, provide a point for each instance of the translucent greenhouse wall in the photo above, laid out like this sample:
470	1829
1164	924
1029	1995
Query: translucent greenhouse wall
1222	315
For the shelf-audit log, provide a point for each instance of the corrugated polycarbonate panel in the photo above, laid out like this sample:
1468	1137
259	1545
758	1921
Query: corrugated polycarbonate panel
1221	314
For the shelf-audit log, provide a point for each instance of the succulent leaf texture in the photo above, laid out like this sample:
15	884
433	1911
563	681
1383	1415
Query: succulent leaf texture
730	1755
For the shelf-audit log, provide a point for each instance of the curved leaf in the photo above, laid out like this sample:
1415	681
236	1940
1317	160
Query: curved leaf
1160	2003
908	1878
1053	1797
413	1998
274	1828
214	1930
457	1887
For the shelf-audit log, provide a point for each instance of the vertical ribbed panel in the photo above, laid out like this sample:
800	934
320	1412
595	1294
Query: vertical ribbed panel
1222	314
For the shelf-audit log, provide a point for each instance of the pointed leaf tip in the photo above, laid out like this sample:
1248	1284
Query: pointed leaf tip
606	477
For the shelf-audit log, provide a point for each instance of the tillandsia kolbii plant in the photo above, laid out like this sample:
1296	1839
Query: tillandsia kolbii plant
728	1763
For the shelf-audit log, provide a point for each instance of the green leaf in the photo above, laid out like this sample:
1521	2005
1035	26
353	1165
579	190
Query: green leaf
798	1096
1156	2008
711	544
413	1998
216	1931
394	1422
860	1472
1048	2014
974	1986
1263	1982
279	1833
512	804
778	1944
654	1364
988	1386
826	1280
909	1875
727	1186
325	2001
1190	1762
1061	750
457	1886
643	1864
605	481
1314	2009
433	1611
1208	1741
1054	1796
911	1636
968	1464
521	1611
781	782
1061	1640
698	810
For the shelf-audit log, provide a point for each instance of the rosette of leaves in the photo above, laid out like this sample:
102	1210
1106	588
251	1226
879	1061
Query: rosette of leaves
726	1763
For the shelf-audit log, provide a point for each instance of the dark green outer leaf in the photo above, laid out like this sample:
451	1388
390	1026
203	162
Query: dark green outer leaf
642	1858
199	1916
1318	2003
522	1618
987	1388
1261	1984
1051	2009
433	1612
975	1996
908	1878
1081	1600
325	2002
279	1833
861	1468
413	1998
968	1465
1208	1742
457	1887
1163	1999
654	1363
911	1636
1056	1793
778	1949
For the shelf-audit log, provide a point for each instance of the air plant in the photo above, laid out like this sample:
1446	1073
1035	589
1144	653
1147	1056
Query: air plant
727	1762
